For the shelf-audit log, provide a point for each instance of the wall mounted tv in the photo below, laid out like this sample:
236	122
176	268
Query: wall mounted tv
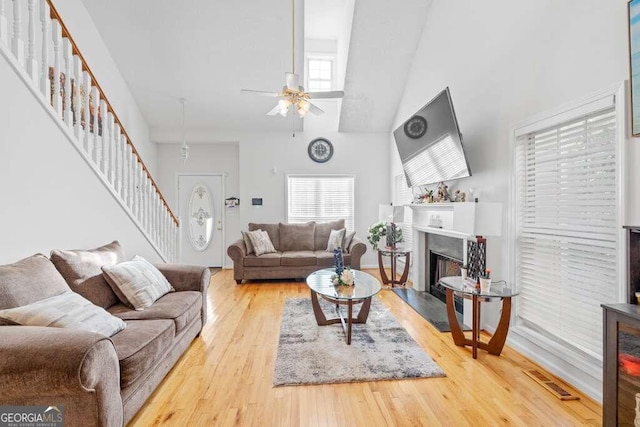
430	144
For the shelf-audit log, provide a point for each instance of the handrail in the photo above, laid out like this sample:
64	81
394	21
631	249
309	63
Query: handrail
85	67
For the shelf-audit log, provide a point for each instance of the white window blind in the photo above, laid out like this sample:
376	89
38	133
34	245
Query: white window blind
320	198
567	230
404	196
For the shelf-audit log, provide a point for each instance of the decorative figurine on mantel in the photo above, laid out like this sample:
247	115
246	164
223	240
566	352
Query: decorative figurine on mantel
443	193
459	196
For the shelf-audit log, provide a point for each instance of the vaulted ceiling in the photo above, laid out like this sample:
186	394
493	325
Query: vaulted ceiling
206	51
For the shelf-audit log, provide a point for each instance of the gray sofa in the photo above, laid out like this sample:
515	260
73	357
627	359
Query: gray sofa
100	381
300	250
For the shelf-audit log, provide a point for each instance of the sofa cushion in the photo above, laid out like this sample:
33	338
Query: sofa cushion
273	230
67	310
82	271
297	237
29	280
298	258
140	346
261	242
336	240
181	307
266	260
138	283
322	231
324	259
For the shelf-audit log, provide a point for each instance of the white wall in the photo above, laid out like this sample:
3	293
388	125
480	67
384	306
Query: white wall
49	196
505	61
89	41
266	157
203	158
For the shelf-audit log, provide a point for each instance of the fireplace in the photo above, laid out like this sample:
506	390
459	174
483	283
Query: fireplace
444	258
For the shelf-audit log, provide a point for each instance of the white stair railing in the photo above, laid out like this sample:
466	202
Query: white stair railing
35	41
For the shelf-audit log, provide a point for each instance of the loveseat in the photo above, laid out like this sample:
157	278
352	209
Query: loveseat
300	249
100	381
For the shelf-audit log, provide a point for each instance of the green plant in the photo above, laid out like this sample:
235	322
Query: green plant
378	230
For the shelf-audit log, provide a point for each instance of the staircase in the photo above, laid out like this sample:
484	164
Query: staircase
36	43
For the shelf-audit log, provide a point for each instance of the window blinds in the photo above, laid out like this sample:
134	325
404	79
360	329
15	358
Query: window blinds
320	198
404	196
567	228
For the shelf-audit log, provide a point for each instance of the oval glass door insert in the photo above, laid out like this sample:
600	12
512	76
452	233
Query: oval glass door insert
200	218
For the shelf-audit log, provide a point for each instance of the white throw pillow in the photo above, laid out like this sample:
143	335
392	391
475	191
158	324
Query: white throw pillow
261	242
67	310
336	239
138	283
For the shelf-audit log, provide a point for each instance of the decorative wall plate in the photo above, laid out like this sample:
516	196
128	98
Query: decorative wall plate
320	150
415	127
200	218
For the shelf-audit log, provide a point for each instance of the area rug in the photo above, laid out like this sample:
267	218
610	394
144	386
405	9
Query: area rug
380	349
431	308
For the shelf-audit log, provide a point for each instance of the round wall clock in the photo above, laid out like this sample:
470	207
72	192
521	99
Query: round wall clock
320	150
415	127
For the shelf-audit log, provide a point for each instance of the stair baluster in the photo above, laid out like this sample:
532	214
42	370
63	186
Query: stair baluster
32	63
57	48
17	44
66	91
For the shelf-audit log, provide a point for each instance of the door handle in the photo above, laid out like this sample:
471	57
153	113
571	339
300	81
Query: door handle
219	225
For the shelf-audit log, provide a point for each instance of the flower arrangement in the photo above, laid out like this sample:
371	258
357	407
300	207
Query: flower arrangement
345	278
378	230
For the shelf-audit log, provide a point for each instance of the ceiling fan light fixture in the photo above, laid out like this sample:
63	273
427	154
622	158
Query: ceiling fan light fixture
283	105
303	107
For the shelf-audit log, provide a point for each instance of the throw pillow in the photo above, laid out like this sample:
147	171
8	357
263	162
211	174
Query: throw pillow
247	242
82	269
348	238
138	283
29	280
261	242
67	310
336	238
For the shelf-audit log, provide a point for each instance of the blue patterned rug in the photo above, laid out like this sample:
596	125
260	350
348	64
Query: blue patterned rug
380	349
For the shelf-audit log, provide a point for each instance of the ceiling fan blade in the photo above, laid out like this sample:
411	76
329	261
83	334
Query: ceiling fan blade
274	111
329	94
261	92
293	81
315	110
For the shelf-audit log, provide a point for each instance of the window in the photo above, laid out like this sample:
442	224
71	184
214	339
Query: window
320	198
567	224
320	73
404	196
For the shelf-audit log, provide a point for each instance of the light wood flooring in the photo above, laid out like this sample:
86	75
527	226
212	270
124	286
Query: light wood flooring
225	378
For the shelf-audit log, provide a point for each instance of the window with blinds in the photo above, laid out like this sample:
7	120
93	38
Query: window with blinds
404	196
321	198
567	226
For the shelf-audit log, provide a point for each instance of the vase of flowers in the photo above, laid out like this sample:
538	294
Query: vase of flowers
378	230
345	278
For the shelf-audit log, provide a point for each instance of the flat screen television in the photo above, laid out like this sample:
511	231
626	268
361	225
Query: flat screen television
430	144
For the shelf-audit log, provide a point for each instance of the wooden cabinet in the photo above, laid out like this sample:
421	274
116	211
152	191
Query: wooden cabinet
621	380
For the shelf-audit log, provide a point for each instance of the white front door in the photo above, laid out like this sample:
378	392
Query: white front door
200	202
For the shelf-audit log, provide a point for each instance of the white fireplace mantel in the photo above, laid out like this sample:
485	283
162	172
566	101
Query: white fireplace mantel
458	220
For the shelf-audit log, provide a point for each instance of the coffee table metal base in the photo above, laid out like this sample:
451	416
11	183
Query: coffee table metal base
322	320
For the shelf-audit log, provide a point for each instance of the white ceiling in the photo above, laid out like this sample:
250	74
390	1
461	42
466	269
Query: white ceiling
206	51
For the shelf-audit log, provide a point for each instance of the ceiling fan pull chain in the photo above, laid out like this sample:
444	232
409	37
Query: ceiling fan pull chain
293	36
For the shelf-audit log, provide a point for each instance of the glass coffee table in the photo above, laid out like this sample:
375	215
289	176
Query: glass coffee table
466	289
364	288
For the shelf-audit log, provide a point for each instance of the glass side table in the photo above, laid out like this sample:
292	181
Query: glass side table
394	253
467	289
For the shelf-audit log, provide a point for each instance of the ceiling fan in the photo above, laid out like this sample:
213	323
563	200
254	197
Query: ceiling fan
293	95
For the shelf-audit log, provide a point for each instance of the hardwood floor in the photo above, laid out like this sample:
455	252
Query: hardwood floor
225	378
